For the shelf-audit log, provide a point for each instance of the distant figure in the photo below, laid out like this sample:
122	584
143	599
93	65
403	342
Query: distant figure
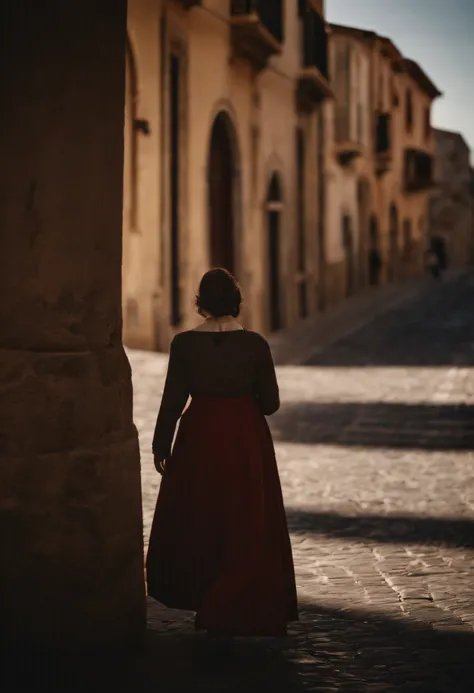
432	263
439	248
375	266
436	257
219	543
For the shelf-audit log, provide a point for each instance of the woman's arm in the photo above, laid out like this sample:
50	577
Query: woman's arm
268	393
175	396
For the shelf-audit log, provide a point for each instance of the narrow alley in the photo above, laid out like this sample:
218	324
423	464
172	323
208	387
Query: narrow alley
375	442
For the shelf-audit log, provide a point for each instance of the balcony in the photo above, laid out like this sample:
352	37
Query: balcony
347	145
257	30
313	79
418	171
383	143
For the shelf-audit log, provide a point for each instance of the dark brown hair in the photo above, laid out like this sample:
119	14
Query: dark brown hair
219	294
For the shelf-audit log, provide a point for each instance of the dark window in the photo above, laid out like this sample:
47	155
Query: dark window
407	239
303	299
418	170
409	111
315	41
273	219
427	122
383	133
175	69
348	243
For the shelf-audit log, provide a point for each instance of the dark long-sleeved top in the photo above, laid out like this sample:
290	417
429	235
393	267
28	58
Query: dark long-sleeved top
225	364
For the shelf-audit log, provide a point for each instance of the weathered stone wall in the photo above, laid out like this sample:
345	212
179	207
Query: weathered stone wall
451	213
71	567
471	191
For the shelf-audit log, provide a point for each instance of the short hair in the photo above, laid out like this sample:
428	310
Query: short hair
219	294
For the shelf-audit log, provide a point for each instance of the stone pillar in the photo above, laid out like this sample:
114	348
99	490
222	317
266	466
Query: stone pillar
71	552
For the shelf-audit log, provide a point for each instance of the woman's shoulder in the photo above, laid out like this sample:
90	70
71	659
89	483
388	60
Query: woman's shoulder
258	340
256	336
187	335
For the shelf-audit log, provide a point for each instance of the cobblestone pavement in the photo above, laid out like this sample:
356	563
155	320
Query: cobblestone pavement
375	445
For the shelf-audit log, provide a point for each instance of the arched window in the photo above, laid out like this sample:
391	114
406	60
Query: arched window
348	244
274	205
374	257
393	251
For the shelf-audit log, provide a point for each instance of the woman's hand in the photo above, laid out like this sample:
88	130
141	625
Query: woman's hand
160	464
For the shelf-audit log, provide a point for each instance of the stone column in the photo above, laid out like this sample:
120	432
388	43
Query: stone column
71	552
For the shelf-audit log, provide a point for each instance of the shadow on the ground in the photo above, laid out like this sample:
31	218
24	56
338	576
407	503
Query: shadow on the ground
377	424
348	651
393	529
429	331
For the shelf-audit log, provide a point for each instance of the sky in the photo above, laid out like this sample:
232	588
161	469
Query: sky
438	34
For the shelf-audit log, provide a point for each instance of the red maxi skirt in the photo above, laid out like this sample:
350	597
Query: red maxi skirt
219	542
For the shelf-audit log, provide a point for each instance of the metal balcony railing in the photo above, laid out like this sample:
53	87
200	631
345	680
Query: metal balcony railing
269	12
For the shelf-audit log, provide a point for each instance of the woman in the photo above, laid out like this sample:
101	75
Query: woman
219	543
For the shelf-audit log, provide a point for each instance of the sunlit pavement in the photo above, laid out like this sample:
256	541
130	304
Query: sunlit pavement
375	444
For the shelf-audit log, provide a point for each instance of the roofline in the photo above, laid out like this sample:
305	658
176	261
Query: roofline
362	34
368	36
455	134
417	73
393	50
401	63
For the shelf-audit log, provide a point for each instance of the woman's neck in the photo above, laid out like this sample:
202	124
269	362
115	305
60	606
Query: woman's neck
222	318
226	323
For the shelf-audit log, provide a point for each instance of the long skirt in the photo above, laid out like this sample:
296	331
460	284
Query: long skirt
219	543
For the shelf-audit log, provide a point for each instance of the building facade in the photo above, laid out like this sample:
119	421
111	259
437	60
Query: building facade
348	188
451	204
225	160
383	161
297	155
471	189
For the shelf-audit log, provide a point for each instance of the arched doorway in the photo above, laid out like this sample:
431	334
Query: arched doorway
273	212
393	251
348	242
363	207
374	257
222	176
407	252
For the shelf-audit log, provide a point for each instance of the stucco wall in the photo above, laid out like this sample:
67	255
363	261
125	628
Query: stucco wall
343	180
261	108
141	244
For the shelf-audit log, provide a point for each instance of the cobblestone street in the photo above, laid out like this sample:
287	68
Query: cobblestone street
375	444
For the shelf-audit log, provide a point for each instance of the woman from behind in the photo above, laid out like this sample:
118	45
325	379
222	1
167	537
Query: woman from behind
219	544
